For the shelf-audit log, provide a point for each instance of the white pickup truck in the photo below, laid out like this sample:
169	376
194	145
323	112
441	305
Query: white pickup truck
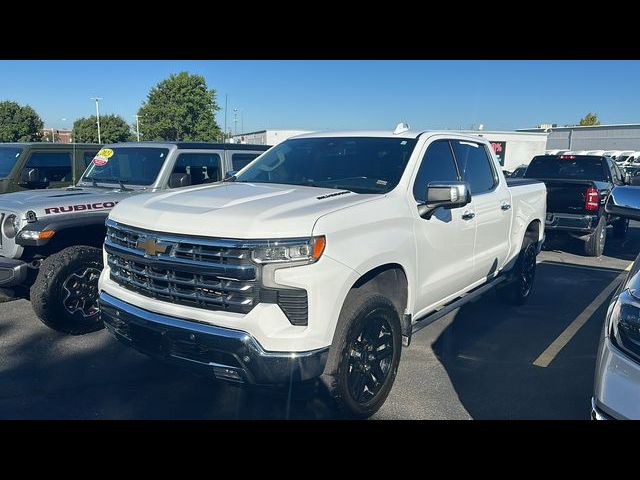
320	258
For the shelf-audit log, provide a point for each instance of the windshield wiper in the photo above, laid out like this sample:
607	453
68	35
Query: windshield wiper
123	187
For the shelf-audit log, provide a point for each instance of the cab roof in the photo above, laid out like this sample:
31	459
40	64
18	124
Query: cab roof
388	134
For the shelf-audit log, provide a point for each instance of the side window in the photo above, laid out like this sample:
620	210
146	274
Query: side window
53	166
241	160
474	165
437	165
202	167
618	177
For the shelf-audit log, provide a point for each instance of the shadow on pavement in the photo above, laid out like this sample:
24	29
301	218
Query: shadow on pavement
46	375
489	348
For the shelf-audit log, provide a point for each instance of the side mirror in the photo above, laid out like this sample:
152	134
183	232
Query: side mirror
446	195
634	180
178	180
229	175
625	201
30	178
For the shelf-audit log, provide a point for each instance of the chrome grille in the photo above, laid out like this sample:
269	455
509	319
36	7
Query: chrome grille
213	274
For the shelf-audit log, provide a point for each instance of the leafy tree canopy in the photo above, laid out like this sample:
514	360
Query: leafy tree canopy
590	119
19	123
113	129
180	108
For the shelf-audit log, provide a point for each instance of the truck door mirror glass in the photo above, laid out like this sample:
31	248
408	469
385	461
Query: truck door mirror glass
625	201
30	178
446	195
178	180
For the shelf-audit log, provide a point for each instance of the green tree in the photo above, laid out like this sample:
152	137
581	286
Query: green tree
19	123
113	129
182	108
590	119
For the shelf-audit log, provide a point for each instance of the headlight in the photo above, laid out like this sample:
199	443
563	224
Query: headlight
291	251
11	226
624	326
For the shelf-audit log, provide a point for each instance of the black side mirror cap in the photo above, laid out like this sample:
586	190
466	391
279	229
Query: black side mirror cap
178	180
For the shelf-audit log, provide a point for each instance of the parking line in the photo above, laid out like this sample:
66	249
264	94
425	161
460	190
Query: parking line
565	337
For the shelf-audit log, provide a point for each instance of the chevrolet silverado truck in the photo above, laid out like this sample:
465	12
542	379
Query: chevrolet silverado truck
38	165
51	240
320	259
577	189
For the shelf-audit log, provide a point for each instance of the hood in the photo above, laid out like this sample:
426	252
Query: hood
57	201
236	210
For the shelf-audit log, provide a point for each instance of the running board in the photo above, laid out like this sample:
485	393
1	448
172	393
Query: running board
449	307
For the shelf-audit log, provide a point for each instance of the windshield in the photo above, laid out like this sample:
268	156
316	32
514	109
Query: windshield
136	165
359	164
570	167
8	157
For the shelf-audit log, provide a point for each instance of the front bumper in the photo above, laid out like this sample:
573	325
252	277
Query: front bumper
12	272
227	354
617	383
584	224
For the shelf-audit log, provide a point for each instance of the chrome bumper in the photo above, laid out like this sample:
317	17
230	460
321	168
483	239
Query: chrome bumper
231	355
12	272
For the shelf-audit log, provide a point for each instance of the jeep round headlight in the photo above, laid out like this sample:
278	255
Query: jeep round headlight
11	226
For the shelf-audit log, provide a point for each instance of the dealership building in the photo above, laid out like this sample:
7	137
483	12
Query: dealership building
266	137
598	137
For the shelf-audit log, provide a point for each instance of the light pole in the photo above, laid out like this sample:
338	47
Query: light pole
235	121
138	126
97	99
224	140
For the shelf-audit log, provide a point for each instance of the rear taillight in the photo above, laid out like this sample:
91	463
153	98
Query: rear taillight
592	199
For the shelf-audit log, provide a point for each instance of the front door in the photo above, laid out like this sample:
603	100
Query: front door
444	242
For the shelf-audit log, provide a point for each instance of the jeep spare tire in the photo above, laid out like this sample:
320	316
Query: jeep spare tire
65	293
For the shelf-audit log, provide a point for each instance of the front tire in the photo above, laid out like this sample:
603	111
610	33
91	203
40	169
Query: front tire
594	246
65	293
368	346
518	290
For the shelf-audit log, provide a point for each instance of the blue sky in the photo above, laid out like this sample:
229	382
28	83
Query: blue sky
502	95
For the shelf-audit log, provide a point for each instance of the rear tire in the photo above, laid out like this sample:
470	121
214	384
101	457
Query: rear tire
518	290
64	295
594	246
361	370
620	228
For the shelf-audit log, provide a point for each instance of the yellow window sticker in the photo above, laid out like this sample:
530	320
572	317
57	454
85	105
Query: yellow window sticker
105	153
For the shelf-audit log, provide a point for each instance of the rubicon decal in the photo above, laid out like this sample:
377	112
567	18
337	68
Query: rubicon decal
79	208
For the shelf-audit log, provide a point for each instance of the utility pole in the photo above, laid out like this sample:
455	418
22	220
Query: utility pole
97	99
241	121
138	127
224	140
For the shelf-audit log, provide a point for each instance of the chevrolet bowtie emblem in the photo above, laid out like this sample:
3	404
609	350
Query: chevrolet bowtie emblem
151	246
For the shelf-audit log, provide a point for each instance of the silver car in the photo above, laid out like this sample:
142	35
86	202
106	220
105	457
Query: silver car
616	393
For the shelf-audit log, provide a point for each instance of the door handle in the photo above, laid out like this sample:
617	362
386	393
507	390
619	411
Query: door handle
468	215
505	206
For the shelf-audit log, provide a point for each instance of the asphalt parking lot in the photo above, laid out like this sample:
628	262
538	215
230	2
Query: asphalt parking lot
482	361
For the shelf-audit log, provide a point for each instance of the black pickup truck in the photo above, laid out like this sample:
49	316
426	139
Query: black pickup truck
577	189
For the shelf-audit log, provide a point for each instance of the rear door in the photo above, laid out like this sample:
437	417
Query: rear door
491	205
